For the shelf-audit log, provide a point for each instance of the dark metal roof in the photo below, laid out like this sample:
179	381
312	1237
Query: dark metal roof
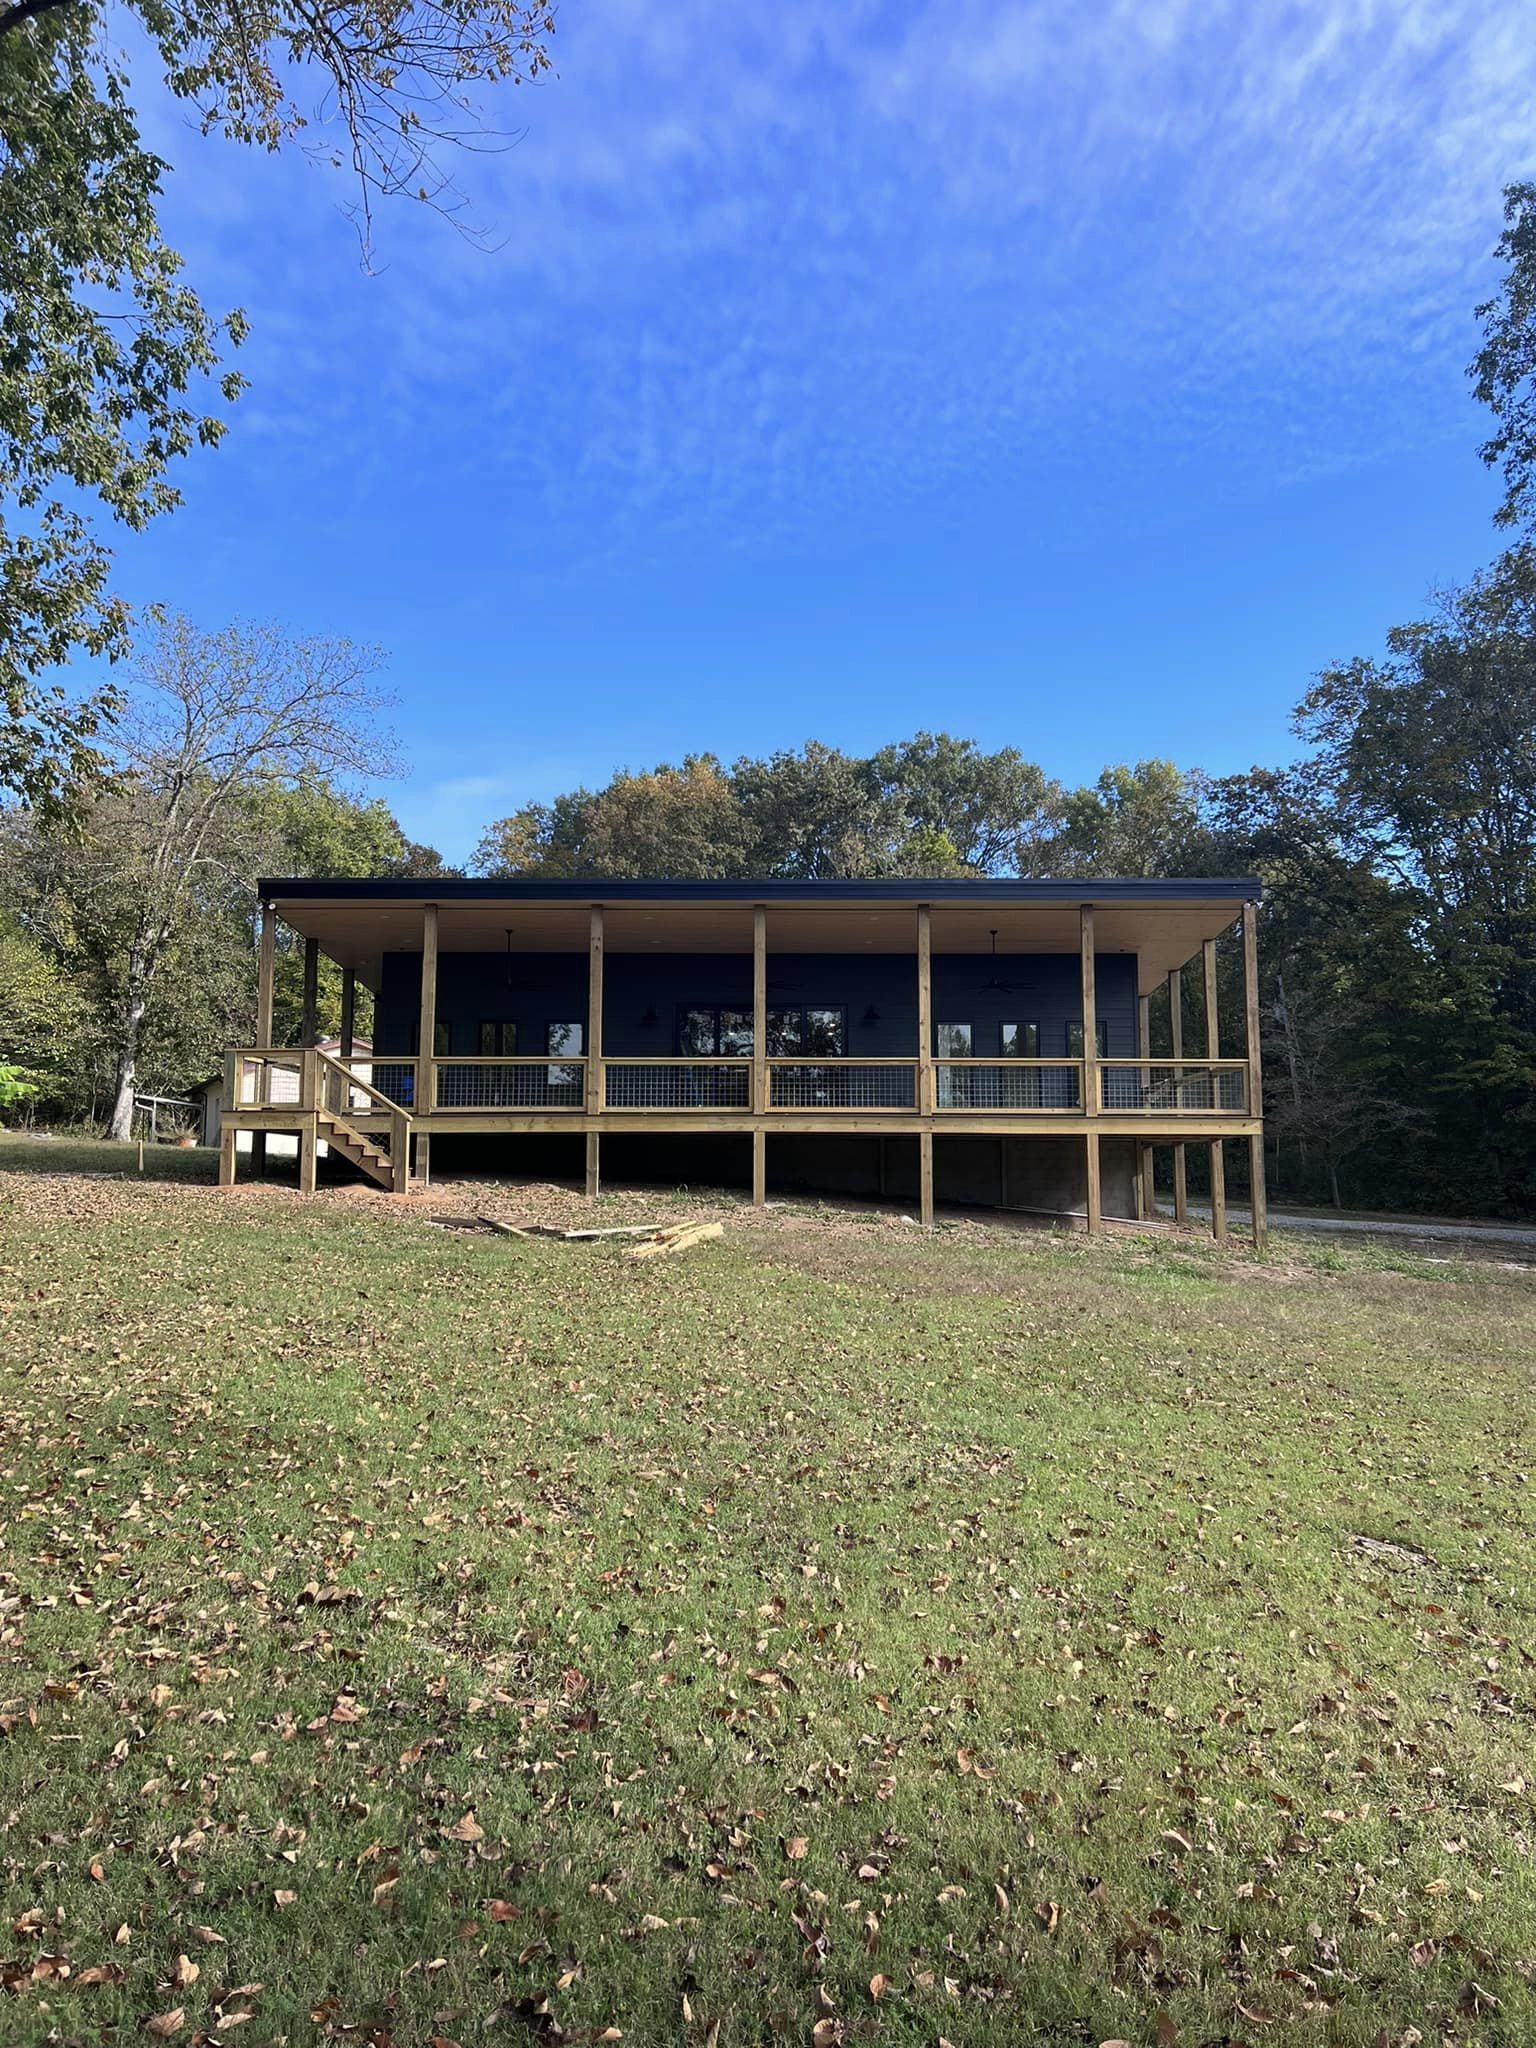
524	889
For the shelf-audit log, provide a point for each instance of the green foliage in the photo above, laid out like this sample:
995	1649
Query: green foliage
108	358
1504	369
16	1086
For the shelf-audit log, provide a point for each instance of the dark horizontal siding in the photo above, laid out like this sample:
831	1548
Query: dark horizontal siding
545	988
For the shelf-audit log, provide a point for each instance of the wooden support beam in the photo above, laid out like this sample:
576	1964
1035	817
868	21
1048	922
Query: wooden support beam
309	1029
925	1016
1176	1026
1146	1183
1259	1207
594	1166
759	1168
348	1011
595	1088
266	963
228	1154
1213	1051
759	1015
1095	1200
1090	1017
426	1030
925	1179
308	1155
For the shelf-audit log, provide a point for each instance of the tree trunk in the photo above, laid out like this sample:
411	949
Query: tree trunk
1333	1183
120	1124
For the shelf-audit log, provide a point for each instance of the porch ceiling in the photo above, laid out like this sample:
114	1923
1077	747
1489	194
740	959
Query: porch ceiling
357	933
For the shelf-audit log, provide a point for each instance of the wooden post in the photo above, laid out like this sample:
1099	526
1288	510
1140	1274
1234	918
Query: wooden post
227	1154
308	1155
1176	1023
925	1178
759	1027
759	1167
1090	1014
1259	1206
1146	1178
309	1030
925	1029
1095	1203
348	1011
594	1166
595	1089
1213	1052
425	1097
266	961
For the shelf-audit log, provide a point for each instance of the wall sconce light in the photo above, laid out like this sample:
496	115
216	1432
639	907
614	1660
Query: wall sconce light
871	1016
648	1019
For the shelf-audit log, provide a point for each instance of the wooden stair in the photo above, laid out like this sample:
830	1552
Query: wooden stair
359	1151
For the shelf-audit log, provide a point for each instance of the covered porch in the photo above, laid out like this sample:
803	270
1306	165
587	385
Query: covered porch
982	1009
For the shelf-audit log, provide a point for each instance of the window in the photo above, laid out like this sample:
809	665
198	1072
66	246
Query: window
1020	1090
564	1082
442	1038
1020	1041
707	1032
955	1042
1075	1039
498	1038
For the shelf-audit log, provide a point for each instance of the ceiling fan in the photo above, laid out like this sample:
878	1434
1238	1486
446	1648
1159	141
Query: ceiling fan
992	981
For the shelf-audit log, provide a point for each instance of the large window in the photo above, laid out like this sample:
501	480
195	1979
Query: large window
498	1038
707	1031
1020	1041
564	1082
956	1086
1075	1039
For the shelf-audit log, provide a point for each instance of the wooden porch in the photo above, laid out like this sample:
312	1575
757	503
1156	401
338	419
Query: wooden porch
382	1111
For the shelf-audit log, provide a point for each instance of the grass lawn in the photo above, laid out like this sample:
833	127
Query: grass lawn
829	1634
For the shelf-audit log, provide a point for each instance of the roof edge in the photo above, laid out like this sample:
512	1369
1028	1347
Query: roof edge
587	889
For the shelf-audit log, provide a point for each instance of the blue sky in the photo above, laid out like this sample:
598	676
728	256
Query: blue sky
1080	377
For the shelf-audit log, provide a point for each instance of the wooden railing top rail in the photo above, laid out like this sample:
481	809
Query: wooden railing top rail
354	1083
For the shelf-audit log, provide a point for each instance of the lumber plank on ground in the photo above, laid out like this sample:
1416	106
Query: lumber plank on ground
677	1239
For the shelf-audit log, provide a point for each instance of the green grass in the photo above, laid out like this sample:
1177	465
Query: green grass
22	1153
468	1639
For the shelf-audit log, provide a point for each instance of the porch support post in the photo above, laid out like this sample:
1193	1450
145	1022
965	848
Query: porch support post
307	1154
227	1154
309	1030
1146	1184
925	1178
348	1011
1176	1020
759	1167
266	961
1095	1202
595	1090
1257	1200
1090	1013
759	1028
1213	1052
594	1166
424	1100
925	1023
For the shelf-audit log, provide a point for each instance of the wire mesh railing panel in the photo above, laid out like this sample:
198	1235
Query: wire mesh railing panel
678	1084
1004	1085
394	1078
268	1081
841	1084
510	1084
1161	1088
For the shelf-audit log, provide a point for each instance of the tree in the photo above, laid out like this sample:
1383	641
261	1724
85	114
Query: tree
217	722
1146	820
1503	371
819	815
967	812
105	349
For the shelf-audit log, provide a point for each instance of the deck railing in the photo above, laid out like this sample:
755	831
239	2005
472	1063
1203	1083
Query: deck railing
371	1089
1174	1087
